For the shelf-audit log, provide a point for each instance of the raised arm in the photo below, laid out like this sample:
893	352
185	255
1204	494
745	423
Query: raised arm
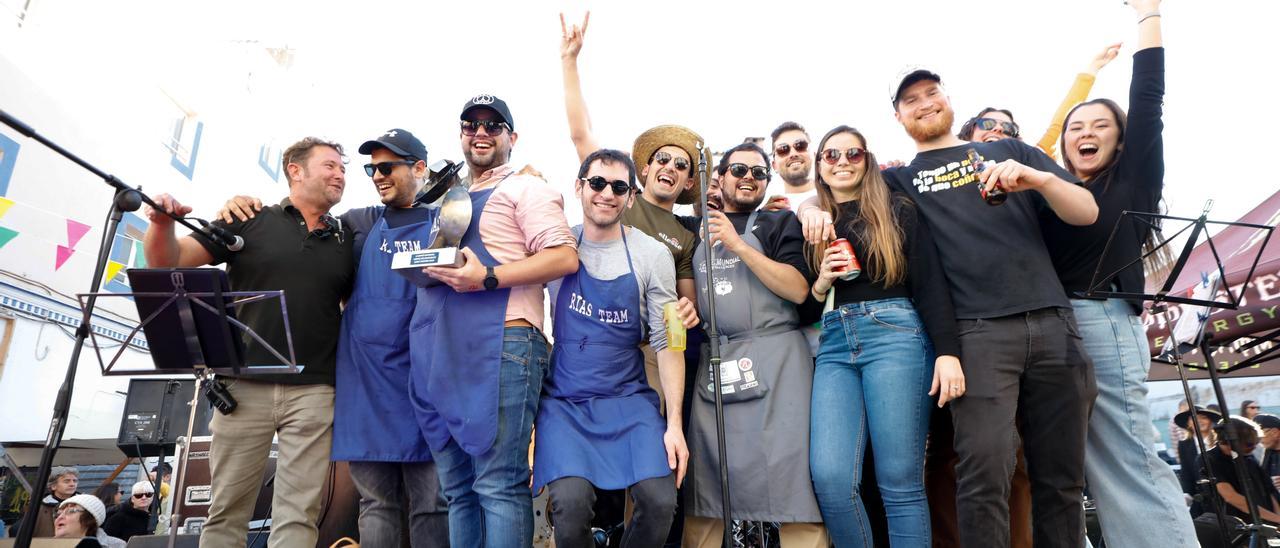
575	107
1078	93
1148	12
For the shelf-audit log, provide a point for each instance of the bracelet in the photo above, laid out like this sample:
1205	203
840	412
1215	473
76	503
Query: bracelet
1148	16
815	295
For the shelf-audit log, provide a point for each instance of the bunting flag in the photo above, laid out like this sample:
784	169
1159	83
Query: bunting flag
6	234
113	268
5	204
64	253
140	258
75	231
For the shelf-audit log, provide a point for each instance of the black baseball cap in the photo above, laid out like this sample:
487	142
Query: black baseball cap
917	75
398	141
1267	420
492	103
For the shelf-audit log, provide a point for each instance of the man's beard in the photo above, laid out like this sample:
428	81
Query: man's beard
795	176
731	199
922	132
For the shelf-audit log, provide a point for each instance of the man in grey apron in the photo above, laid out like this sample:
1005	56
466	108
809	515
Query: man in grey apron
766	372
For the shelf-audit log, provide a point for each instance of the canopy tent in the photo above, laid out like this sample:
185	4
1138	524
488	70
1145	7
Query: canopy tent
1259	311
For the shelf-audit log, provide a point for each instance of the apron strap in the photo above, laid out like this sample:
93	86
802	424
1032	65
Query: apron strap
764	332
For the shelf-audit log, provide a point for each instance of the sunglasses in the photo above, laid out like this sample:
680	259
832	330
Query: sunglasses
664	157
597	183
491	127
143	495
385	168
832	155
1253	407
988	124
784	149
759	173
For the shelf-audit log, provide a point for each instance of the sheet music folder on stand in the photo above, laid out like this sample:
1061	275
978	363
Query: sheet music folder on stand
1190	334
187	315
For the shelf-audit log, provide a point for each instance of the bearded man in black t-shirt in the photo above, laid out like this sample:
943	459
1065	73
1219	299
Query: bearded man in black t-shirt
1021	350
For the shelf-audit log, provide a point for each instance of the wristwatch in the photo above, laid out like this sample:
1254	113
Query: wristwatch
490	280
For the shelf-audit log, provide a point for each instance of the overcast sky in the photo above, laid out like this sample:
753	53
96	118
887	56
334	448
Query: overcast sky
723	69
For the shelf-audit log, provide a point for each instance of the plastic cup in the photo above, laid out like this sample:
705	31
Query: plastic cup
675	329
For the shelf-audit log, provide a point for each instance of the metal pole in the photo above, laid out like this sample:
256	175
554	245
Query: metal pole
713	336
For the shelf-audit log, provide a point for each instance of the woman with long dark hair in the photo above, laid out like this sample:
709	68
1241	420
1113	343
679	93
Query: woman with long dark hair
1120	159
876	367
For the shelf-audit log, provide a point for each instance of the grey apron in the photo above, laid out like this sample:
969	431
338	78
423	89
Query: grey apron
768	378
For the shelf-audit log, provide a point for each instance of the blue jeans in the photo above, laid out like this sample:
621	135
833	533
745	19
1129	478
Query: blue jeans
873	371
383	486
489	500
1139	500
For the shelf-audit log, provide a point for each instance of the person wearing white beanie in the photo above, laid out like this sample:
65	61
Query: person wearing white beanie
80	517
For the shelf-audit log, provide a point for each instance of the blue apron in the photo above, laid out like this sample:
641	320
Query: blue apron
370	422
598	418
455	346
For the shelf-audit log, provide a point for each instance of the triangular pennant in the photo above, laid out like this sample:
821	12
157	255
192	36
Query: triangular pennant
7	234
5	204
64	253
113	268
75	231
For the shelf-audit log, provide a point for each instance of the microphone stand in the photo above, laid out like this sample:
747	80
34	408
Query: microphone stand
126	198
713	336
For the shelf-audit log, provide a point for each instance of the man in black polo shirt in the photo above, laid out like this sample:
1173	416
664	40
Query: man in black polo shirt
297	247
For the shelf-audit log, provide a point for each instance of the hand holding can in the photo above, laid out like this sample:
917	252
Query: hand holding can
996	195
854	268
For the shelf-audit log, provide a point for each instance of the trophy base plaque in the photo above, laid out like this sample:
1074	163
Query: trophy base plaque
447	257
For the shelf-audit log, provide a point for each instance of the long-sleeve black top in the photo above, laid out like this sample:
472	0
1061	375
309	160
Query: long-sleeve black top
925	284
1134	183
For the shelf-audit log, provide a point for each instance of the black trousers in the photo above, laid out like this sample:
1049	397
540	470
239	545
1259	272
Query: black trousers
1028	367
573	501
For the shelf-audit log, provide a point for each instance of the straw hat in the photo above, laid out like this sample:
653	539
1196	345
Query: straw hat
650	141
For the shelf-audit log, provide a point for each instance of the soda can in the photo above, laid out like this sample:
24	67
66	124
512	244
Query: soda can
996	195
854	268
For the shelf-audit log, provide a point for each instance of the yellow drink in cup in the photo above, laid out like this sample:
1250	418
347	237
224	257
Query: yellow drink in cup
675	329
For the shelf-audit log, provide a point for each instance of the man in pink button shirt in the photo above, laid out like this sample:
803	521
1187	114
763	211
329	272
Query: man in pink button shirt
476	343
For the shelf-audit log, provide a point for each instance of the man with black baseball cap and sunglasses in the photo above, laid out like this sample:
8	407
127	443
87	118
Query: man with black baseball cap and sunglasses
477	349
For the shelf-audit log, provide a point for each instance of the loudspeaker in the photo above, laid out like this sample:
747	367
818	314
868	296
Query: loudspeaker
155	415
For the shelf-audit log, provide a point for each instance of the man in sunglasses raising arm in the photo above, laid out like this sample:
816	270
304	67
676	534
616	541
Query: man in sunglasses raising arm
476	344
766	373
598	424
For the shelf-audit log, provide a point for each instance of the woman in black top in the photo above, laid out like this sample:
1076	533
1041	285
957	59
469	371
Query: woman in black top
134	515
875	369
1120	160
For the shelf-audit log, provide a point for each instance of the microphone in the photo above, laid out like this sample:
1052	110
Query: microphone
220	235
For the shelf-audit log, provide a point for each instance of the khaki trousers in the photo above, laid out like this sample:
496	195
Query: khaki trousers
302	416
709	532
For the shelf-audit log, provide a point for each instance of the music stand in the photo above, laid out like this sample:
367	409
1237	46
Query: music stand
1195	337
187	315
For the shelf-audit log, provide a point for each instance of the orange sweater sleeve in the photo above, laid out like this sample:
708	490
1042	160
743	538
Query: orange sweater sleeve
1078	93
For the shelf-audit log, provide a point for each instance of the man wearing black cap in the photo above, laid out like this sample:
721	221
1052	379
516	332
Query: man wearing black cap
477	349
1270	425
1021	350
372	428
